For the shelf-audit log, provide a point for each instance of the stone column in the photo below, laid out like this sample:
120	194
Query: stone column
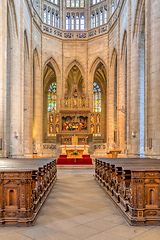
37	104
3	75
154	91
28	110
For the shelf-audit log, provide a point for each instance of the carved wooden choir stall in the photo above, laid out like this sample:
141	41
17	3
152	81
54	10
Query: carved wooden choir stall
134	186
24	186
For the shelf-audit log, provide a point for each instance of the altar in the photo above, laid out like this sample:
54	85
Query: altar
74	151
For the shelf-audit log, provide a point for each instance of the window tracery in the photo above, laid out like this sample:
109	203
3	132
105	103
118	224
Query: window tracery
96	115
52	107
51	15
75	21
96	97
75	3
99	17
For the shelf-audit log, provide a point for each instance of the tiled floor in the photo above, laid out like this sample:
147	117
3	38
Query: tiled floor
78	208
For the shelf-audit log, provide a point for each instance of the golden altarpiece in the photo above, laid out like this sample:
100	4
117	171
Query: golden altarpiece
74	117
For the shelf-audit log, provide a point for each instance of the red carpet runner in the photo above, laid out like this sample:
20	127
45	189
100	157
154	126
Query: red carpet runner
63	160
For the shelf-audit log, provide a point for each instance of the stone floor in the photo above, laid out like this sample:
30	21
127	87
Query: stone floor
78	208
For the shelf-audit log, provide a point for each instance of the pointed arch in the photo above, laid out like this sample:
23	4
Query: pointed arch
74	63
138	17
95	65
113	57
51	61
26	43
36	56
124	45
12	17
99	83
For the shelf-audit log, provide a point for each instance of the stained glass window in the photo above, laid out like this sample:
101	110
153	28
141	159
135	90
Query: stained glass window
52	97
96	98
82	3
77	3
72	3
68	3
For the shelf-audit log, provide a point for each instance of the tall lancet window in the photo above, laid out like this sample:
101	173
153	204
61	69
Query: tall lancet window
45	15
97	19
93	22
105	15
49	17
72	21
52	97
96	97
77	21
68	21
101	17
53	20
82	22
57	20
52	106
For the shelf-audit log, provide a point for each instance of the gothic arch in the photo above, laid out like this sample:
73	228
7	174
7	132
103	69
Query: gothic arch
74	63
138	17
113	57
124	45
12	18
54	66
26	43
95	65
36	56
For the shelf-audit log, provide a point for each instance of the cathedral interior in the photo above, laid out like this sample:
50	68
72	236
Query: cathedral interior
79	85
